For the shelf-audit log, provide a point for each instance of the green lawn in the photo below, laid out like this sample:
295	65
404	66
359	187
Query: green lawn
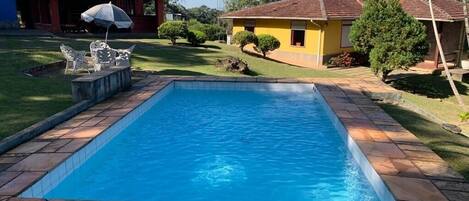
181	60
26	100
433	94
452	148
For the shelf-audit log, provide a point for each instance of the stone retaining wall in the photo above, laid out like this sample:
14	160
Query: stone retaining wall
98	86
46	68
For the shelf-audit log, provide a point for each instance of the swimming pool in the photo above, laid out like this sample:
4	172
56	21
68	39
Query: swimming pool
220	141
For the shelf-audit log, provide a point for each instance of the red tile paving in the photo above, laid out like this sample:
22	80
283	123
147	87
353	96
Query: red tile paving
39	162
20	183
410	170
405	188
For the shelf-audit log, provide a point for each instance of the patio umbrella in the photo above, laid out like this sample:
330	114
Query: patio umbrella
106	15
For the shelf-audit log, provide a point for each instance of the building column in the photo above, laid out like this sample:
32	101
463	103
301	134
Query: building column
462	41
138	7
436	58
159	11
39	11
54	16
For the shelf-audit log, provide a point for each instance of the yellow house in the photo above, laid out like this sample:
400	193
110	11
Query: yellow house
312	31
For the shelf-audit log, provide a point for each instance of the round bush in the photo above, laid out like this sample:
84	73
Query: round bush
244	38
267	43
213	31
196	37
172	30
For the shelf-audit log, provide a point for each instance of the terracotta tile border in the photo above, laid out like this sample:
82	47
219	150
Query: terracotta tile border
410	170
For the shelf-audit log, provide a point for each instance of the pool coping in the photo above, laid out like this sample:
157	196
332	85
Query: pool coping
410	170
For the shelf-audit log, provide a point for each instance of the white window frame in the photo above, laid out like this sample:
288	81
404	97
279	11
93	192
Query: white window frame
345	44
298	26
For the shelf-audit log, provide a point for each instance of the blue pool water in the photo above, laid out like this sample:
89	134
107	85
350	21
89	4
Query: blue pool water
223	145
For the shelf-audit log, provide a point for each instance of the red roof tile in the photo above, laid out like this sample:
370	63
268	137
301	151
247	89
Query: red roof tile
445	10
291	9
342	9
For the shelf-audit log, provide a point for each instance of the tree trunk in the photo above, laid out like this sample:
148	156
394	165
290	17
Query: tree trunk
384	75
173	41
443	59
466	20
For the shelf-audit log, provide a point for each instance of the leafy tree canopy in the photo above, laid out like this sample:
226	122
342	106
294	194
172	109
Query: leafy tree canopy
234	5
204	14
172	30
392	38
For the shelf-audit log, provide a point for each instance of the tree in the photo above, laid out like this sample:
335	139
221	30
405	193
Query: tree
466	20
150	9
176	8
442	54
267	43
244	38
204	14
392	38
234	5
172	30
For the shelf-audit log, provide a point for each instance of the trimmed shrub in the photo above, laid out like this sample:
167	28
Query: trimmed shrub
244	38
172	30
267	43
342	60
196	37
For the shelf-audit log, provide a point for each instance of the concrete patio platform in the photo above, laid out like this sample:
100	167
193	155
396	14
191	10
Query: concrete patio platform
410	170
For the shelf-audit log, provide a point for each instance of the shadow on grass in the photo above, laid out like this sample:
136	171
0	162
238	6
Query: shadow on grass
178	56
179	72
188	45
451	147
252	73
431	86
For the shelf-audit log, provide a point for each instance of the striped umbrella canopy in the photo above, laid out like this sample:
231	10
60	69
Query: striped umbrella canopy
106	15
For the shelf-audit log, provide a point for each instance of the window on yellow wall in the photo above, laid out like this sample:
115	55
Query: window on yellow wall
251	29
250	25
298	33
345	41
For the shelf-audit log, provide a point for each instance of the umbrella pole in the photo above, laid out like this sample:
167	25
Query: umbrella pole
107	31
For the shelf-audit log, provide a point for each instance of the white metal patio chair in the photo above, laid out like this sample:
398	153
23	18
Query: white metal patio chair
102	55
95	45
123	56
75	59
105	58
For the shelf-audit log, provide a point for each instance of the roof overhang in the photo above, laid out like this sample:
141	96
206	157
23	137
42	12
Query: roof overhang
439	20
320	19
270	17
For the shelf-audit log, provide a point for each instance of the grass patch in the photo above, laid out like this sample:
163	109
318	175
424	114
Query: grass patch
26	100
452	148
433	94
158	55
